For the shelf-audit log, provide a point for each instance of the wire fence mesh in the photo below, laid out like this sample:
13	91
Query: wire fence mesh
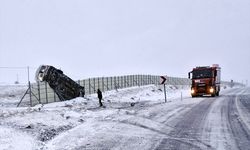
43	94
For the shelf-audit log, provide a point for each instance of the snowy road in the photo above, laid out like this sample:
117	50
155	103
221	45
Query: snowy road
191	123
214	123
199	123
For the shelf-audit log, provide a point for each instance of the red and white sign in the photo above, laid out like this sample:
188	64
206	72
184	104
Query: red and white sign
163	79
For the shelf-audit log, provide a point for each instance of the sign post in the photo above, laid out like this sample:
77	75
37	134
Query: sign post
163	80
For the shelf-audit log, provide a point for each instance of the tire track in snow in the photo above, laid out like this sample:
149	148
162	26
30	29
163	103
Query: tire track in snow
240	131
188	129
224	128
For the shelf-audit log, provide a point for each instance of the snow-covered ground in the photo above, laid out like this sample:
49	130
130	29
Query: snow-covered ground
133	118
75	123
10	95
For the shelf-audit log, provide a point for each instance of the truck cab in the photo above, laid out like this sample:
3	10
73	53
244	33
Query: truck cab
205	80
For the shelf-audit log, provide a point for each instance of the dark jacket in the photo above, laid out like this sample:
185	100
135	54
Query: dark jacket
99	94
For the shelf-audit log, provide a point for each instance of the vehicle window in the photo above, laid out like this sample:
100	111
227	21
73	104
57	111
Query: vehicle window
197	74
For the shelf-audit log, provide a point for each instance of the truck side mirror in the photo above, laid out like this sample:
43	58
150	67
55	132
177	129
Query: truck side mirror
189	75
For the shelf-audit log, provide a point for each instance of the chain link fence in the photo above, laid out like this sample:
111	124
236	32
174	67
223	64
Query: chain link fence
41	93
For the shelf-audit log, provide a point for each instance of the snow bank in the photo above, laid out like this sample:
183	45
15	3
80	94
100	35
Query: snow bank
11	139
80	123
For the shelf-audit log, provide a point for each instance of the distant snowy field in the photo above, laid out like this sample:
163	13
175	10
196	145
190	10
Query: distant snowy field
81	124
10	95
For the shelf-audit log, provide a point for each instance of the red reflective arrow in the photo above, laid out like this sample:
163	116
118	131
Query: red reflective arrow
163	79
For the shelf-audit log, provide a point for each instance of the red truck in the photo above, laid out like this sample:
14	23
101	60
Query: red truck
205	80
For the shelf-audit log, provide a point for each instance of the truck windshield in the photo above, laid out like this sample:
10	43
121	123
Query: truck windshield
198	74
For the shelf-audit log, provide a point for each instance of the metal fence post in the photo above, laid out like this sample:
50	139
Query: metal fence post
54	96
115	83
148	78
142	82
103	84
111	83
138	80
94	85
98	83
125	81
38	88
121	80
83	83
157	80
89	87
46	92
118	83
30	94
107	83
133	82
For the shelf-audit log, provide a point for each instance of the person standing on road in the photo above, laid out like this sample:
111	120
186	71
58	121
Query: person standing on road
99	94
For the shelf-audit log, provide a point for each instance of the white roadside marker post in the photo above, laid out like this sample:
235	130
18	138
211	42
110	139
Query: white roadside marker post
181	95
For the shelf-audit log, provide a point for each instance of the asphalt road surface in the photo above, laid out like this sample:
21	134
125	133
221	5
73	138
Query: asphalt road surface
214	123
210	123
207	123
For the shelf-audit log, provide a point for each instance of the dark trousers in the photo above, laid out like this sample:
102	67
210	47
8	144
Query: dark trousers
100	101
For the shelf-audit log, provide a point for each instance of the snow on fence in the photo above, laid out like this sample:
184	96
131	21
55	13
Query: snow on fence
43	94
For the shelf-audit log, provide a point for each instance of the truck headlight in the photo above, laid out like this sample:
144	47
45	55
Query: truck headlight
192	91
211	90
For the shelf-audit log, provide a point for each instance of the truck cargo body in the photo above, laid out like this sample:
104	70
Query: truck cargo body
205	81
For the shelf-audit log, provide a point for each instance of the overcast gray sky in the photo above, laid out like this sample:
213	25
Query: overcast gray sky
87	38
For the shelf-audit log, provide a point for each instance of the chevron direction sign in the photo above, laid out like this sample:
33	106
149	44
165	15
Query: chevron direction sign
163	79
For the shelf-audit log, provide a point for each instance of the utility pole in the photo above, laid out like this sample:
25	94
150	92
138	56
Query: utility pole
28	71
17	79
